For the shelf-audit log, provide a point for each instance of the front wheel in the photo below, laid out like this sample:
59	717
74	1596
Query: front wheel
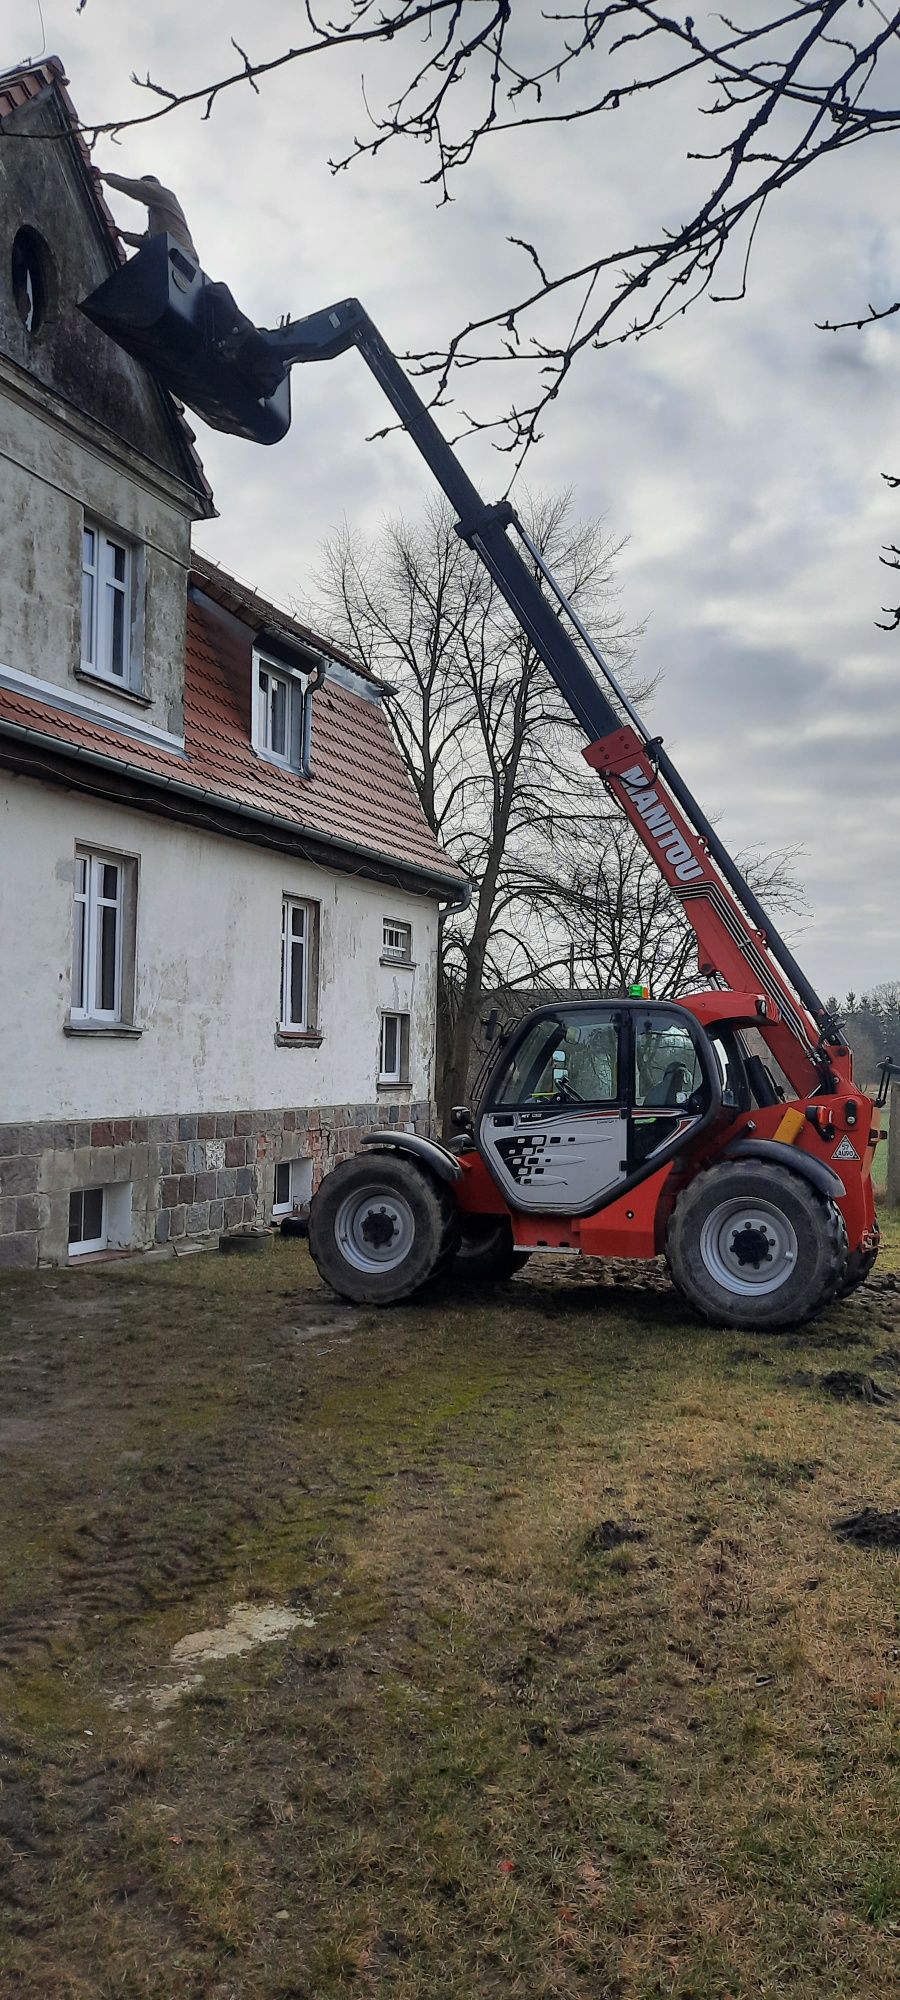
380	1227
752	1245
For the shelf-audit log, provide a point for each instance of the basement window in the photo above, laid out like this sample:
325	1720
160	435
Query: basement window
99	1219
293	1185
87	1221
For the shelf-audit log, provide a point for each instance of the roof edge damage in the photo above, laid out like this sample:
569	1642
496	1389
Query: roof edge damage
25	85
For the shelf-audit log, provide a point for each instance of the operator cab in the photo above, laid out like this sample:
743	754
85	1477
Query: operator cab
587	1098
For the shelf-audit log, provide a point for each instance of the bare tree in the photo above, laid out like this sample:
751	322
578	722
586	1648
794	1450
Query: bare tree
489	743
778	89
565	892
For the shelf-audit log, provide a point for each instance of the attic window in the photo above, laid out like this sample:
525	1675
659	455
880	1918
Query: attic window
32	268
282	714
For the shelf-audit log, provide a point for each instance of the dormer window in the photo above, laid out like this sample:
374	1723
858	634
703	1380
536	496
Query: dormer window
281	714
106	594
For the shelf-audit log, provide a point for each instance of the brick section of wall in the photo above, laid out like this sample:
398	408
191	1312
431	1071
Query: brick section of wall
191	1173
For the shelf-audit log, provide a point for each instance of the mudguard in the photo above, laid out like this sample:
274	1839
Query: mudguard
428	1151
817	1172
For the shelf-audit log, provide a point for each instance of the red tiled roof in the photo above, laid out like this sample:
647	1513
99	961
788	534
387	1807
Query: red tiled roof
358	789
23	85
257	611
358	794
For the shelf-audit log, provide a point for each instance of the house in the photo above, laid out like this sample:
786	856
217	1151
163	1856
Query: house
219	900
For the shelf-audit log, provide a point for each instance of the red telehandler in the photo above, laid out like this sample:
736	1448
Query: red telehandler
620	1127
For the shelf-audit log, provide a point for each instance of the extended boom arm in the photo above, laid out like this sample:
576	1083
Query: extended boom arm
192	335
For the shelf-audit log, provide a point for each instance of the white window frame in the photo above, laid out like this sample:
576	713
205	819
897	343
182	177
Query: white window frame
394	1073
92	902
296	1196
396	941
97	621
86	1246
289	942
295	756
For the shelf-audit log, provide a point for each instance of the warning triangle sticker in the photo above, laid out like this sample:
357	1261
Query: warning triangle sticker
845	1151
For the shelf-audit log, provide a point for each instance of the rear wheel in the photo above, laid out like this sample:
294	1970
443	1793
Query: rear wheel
380	1227
487	1254
753	1245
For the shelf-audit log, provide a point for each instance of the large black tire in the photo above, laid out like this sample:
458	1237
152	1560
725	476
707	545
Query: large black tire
487	1254
755	1246
381	1226
856	1270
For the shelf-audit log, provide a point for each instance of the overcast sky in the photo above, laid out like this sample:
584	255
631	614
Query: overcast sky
740	452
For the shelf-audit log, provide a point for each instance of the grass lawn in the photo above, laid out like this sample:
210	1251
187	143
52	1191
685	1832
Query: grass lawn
586	1699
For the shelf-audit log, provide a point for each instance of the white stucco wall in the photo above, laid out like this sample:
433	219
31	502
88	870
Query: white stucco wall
208	972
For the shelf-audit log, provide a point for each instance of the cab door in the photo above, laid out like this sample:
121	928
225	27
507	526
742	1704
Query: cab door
670	1085
554	1128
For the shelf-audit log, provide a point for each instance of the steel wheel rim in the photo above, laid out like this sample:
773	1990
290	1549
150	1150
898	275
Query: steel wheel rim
374	1229
749	1247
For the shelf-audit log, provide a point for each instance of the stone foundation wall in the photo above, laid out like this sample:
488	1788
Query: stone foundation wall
191	1173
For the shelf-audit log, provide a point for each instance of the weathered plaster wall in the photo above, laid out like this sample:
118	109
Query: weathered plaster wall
49	479
84	429
208	972
45	186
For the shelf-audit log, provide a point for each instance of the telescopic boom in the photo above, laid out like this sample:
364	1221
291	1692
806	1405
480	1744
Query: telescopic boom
236	376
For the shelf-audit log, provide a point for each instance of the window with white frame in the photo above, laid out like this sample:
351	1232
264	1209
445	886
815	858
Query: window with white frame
103	942
100	1219
393	1061
87	1221
280	730
299	940
396	941
106	596
293	1185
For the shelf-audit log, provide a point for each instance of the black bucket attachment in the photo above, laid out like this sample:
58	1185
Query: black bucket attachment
188	331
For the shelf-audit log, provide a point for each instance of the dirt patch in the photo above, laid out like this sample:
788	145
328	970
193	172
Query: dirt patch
871	1529
851	1385
246	1626
611	1535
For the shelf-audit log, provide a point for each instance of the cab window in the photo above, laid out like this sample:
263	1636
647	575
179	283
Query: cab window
666	1065
570	1059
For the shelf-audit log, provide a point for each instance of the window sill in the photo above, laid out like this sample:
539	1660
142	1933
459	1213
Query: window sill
109	681
101	1256
280	763
399	964
300	1038
400	1083
123	1028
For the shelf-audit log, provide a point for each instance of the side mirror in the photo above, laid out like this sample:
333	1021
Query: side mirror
461	1118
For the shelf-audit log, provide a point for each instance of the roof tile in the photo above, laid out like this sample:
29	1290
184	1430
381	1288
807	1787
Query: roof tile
358	790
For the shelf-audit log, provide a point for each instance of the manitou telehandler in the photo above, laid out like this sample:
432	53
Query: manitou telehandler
724	1131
